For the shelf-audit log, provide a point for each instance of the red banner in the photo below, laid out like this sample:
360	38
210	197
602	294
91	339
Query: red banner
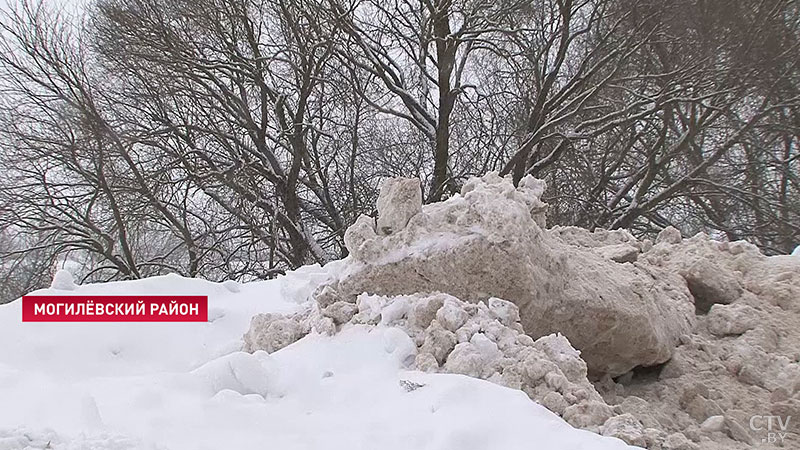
114	308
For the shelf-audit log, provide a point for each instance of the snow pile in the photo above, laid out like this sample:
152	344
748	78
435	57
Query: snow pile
739	364
483	340
478	340
490	241
686	340
176	386
682	344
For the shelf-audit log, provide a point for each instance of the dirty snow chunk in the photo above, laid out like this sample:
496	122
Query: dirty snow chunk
558	349
621	253
710	283
469	359
678	441
557	346
669	235
423	312
340	312
554	402
451	316
618	316
437	342
63	280
400	199
796	251
272	332
589	414
776	279
241	372
532	190
506	312
627	428
731	319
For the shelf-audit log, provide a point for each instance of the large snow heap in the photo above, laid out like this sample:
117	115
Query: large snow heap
684	339
490	241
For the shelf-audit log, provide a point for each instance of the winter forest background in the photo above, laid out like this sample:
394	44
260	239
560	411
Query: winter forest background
239	138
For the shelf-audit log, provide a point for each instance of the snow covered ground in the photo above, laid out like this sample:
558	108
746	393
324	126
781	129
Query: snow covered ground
187	385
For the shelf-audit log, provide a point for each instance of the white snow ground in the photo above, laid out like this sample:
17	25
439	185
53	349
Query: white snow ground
180	386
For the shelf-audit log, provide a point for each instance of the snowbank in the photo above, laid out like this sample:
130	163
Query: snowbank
686	340
188	386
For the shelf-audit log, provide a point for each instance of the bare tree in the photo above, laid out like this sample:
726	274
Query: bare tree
239	139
